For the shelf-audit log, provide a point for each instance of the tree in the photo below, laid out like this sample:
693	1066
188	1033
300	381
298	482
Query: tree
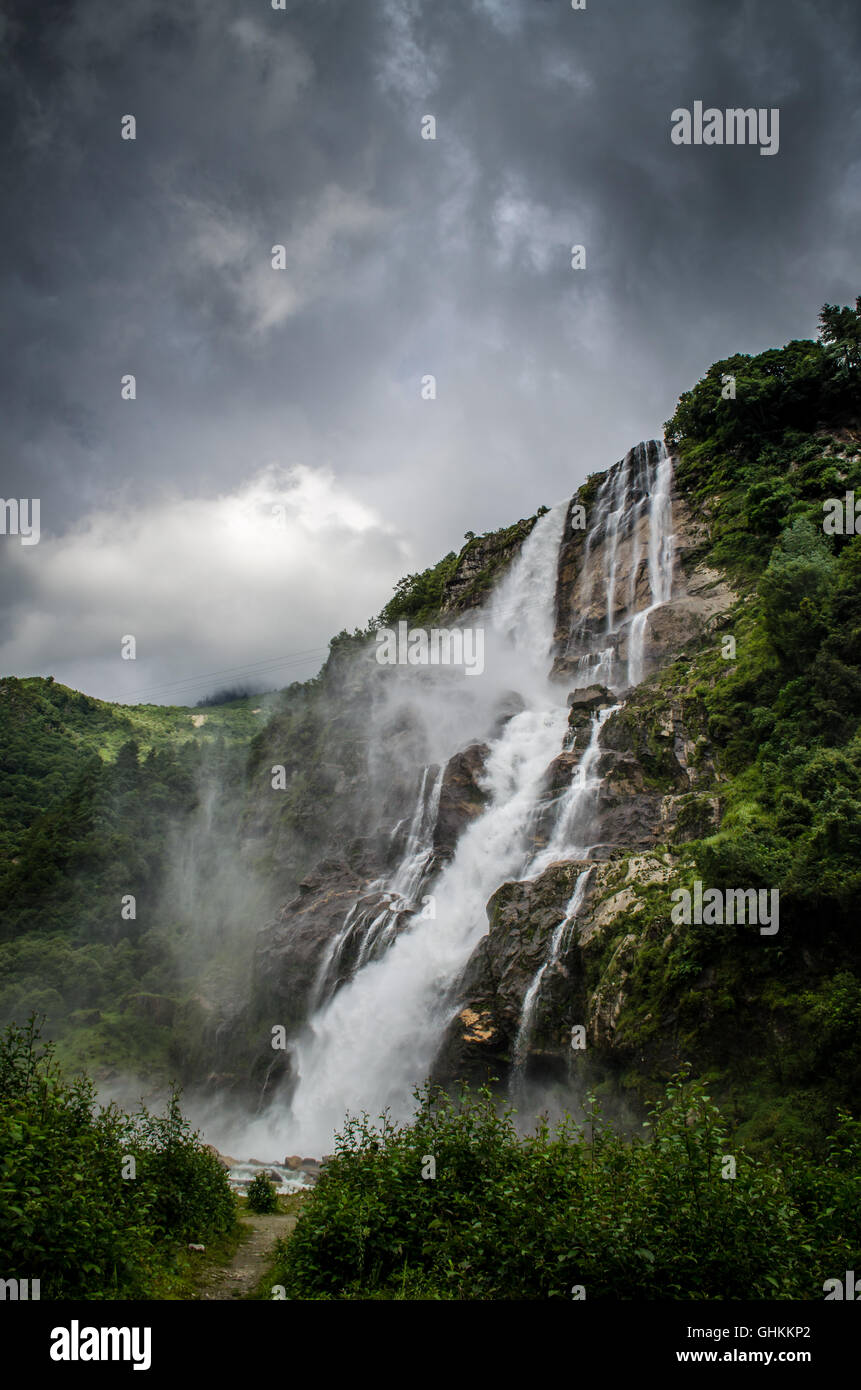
795	590
840	330
128	761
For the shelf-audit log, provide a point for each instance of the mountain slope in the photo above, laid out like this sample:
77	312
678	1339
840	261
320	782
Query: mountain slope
733	761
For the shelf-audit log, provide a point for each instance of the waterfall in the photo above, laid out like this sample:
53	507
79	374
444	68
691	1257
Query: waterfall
405	887
367	1046
372	921
661	553
522	607
558	945
574	812
384	990
641	483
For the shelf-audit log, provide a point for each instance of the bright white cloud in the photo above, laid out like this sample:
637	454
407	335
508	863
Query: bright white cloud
203	584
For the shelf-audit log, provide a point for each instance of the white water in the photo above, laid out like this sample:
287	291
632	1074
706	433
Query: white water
620	498
367	1045
374	927
558	944
370	1044
576	808
661	552
641	482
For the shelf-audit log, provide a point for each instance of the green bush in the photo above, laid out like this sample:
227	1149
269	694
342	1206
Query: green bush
795	590
71	1213
187	1191
537	1217
262	1197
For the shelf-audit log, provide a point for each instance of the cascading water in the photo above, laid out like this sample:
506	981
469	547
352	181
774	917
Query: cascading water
371	1040
661	552
372	921
640	484
574	811
558	944
369	1045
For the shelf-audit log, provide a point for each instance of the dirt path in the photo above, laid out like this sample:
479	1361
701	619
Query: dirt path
241	1277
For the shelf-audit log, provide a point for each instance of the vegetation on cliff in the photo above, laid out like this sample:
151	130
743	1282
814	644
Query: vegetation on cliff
96	798
780	705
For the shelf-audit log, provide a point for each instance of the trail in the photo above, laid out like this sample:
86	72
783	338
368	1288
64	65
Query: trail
240	1277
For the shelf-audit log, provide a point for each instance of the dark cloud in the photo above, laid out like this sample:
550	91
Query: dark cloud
405	256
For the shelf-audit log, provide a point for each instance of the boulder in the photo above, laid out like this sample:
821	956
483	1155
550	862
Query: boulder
594	697
461	798
508	705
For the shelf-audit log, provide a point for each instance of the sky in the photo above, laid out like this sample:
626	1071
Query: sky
280	466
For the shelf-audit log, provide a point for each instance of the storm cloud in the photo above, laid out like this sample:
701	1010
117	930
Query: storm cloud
405	257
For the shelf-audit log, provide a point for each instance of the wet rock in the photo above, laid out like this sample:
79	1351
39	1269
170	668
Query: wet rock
289	949
561	770
592	698
700	594
481	564
461	798
588	985
509	704
478	1041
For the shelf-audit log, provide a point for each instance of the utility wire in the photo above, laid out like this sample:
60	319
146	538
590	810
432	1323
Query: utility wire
270	664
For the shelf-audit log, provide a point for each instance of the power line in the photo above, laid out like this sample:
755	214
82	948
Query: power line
270	664
233	670
236	673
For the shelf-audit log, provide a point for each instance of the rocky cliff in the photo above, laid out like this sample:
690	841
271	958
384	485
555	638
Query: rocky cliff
658	789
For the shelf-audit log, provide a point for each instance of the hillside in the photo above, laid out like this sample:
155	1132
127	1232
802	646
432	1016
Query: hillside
720	721
168	804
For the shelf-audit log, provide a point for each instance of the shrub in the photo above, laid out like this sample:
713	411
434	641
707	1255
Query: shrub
68	1215
511	1217
262	1197
187	1189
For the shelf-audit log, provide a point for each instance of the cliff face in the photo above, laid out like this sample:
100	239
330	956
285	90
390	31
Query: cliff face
658	789
353	753
480	565
620	547
673	667
585	988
